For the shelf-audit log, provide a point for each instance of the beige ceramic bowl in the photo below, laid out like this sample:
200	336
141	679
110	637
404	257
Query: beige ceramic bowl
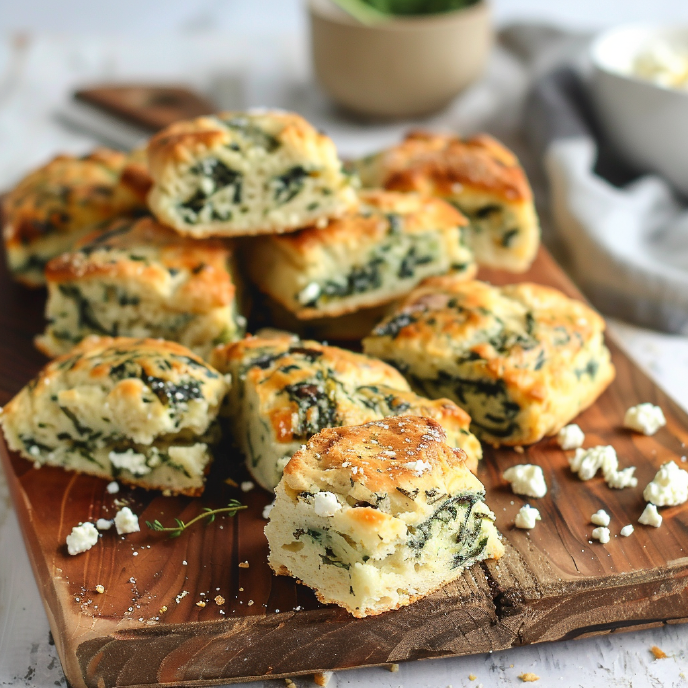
404	67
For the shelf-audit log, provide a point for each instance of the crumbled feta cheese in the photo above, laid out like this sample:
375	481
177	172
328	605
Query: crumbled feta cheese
247	486
646	418
113	487
103	524
627	530
130	461
326	504
82	538
126	521
267	510
526	479
650	516
586	462
669	487
526	517
601	518
418	467
309	293
571	437
618	480
601	534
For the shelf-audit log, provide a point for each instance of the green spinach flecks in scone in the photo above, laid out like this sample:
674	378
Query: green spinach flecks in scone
522	360
366	258
376	516
142	411
285	390
480	177
141	279
57	204
245	173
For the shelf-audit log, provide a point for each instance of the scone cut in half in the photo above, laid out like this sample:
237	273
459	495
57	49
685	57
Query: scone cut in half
60	202
481	177
142	411
244	173
285	390
366	258
376	516
141	279
522	360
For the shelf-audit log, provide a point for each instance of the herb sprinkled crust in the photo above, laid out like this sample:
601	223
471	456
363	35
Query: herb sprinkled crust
522	360
244	173
55	205
139	278
285	390
139	410
376	516
478	175
368	257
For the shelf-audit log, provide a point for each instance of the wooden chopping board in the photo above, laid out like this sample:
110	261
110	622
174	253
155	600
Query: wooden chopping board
552	584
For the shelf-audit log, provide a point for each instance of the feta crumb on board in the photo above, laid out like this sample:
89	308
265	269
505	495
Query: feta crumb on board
669	487
601	518
113	487
326	504
526	517
526	479
646	418
126	521
602	534
247	486
82	538
650	516
103	524
627	530
586	463
570	437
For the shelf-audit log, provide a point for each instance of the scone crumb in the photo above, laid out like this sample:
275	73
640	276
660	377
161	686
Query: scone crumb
322	678
200	603
529	677
658	652
393	667
472	677
231	483
519	450
289	683
100	589
163	609
243	564
219	600
249	603
241	590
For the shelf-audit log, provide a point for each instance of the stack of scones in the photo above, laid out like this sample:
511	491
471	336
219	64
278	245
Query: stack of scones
156	263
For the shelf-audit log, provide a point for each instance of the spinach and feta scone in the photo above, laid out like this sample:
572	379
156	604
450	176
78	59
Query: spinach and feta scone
141	279
376	516
141	411
285	390
368	257
481	177
245	173
523	360
57	204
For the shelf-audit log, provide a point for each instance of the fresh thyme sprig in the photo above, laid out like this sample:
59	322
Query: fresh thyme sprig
210	514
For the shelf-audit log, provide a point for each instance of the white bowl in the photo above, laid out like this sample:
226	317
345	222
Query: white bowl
646	123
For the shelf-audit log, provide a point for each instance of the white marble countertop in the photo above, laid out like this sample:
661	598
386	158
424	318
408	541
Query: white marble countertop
35	76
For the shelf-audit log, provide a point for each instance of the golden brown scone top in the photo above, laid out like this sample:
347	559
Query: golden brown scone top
520	332
409	213
182	141
403	462
146	251
67	193
442	164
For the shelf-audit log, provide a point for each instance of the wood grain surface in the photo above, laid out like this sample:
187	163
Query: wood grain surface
553	582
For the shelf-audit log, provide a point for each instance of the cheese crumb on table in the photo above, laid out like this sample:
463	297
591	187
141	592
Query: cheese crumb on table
472	677
529	677
646	418
600	518
103	524
82	538
627	530
527	517
247	486
326	504
113	487
570	437
669	487
601	534
586	463
650	516
526	479
126	521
